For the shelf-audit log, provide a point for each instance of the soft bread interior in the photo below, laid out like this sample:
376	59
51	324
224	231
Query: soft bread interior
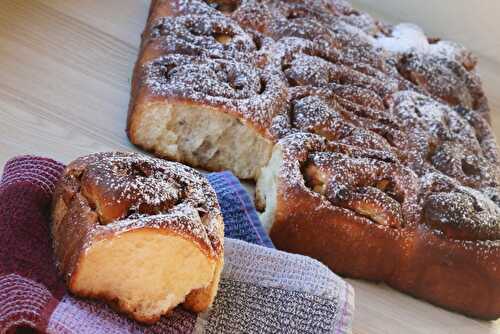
200	136
266	191
143	271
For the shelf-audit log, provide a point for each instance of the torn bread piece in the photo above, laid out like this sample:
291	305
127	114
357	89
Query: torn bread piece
142	234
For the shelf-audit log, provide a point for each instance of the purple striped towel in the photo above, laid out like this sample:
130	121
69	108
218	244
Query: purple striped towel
262	290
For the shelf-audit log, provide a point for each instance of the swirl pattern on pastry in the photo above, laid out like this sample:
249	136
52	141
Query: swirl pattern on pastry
363	181
197	35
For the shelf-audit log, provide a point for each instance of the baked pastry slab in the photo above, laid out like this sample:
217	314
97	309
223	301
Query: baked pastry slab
222	84
142	234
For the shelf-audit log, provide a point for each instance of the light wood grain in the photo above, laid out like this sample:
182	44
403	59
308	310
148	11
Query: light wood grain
65	70
65	75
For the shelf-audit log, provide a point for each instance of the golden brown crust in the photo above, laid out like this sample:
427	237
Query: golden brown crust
72	221
427	259
106	195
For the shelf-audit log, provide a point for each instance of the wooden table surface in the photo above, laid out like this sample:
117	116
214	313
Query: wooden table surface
65	70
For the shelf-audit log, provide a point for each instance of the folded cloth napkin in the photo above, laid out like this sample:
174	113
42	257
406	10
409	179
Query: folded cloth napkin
262	289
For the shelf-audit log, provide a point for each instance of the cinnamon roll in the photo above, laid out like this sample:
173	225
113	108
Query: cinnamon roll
142	234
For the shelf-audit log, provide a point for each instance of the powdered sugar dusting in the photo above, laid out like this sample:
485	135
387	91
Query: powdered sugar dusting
213	36
405	37
408	38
